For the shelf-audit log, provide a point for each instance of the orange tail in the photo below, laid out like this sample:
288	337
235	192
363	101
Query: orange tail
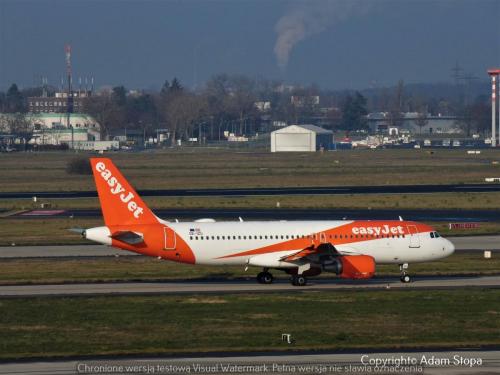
120	203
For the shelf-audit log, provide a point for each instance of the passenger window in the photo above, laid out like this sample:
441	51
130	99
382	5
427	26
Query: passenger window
265	237
196	238
190	237
217	237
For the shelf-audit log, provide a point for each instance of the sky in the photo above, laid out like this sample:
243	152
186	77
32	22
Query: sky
337	44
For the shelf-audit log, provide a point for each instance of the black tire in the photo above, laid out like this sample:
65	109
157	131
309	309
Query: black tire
405	279
298	280
265	278
260	278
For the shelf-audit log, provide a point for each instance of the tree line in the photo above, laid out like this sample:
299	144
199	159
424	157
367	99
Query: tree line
229	103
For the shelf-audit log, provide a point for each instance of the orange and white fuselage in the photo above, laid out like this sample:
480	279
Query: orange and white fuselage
308	247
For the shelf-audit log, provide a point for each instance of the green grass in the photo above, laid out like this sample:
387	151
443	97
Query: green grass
213	168
43	231
457	201
47	327
37	271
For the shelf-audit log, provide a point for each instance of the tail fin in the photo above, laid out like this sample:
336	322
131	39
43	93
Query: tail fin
120	203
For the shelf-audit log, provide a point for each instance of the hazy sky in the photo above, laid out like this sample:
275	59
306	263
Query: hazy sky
336	44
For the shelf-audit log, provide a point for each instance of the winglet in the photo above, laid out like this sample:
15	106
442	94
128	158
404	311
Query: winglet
120	203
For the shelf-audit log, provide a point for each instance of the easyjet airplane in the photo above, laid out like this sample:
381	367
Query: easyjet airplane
350	249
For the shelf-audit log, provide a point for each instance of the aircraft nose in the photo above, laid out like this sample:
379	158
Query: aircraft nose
449	247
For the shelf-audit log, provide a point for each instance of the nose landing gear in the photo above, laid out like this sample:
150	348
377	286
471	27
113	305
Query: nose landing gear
405	278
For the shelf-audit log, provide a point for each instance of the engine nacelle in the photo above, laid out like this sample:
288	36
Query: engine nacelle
352	266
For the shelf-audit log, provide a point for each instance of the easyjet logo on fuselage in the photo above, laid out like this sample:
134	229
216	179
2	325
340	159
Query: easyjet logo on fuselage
384	229
117	188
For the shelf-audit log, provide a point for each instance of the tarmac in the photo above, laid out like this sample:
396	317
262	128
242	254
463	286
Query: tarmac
374	189
227	287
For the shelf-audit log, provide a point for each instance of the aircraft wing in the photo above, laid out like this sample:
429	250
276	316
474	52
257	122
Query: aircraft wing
323	249
129	237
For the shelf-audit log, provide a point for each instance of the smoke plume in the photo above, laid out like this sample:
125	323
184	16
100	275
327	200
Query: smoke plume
309	17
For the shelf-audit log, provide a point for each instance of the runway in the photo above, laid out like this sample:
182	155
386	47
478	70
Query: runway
48	251
461	362
174	288
61	251
286	214
327	190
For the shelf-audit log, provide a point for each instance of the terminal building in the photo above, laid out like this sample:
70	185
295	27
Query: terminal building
301	138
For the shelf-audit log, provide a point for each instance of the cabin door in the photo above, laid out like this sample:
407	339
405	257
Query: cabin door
414	236
170	239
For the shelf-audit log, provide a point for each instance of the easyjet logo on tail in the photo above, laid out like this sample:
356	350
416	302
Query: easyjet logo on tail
116	188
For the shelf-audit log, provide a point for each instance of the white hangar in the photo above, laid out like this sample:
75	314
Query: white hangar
302	138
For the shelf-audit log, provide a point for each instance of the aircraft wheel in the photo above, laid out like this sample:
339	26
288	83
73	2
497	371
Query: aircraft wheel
298	280
265	278
405	278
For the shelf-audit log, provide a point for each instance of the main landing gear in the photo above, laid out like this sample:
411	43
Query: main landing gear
265	277
298	280
405	278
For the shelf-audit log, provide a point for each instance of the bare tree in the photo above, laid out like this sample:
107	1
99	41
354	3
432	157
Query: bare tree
108	113
181	112
422	120
21	126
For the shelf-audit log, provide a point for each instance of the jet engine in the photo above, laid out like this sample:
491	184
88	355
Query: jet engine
351	266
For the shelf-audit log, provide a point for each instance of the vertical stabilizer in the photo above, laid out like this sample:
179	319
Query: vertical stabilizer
120	203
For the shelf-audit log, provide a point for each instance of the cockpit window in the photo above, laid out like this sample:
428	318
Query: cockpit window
435	234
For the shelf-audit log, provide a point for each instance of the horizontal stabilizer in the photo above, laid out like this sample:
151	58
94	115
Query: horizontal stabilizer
132	238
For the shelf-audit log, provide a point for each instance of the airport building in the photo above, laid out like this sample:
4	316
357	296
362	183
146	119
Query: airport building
379	122
53	128
301	138
57	103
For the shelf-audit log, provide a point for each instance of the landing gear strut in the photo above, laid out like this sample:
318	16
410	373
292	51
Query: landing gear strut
265	277
405	278
298	280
